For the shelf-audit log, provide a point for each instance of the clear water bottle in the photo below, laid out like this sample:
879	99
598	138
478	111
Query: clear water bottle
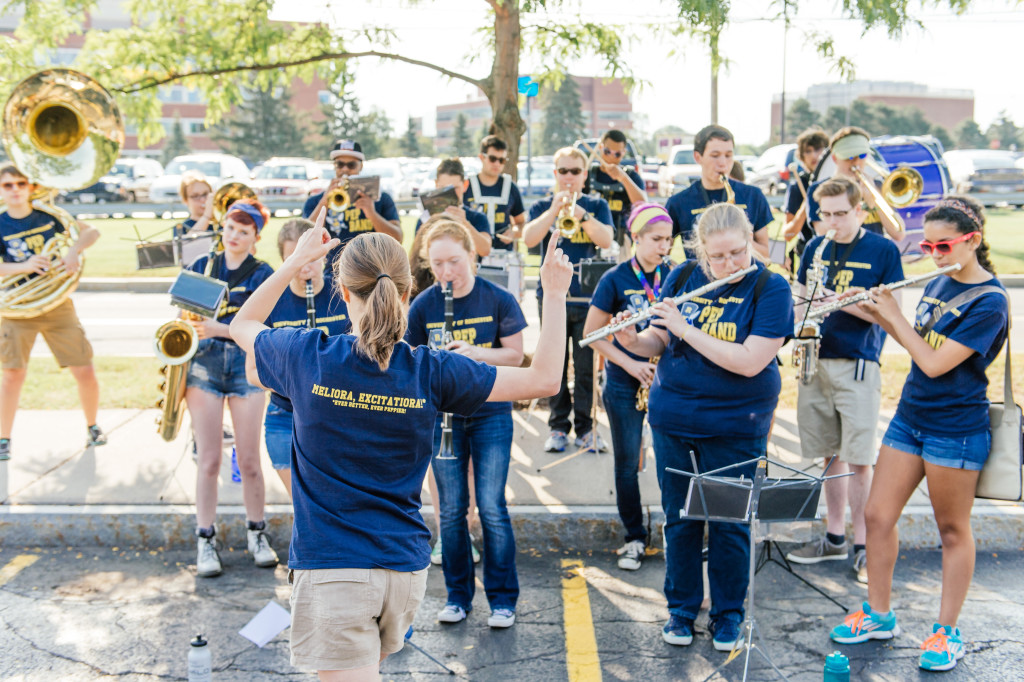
837	668
199	661
236	475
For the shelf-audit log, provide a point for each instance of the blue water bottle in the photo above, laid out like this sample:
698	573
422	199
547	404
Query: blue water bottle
837	668
236	475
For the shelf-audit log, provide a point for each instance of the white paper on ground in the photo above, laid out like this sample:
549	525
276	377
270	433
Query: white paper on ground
267	624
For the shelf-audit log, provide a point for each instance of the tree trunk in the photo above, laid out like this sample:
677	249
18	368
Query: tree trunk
715	64
502	86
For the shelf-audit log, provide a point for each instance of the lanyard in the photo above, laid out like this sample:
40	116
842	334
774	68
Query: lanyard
841	263
652	294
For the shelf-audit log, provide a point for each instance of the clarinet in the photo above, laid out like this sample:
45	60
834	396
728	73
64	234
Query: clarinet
310	305
447	451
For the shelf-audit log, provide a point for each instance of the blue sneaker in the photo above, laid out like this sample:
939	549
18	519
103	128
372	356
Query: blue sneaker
678	631
864	625
556	442
725	633
943	649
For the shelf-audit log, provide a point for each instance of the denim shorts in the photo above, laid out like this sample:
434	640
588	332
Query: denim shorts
218	367
963	452
277	432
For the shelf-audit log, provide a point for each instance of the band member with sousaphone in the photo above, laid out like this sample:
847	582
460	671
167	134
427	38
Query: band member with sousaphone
714	393
620	187
631	286
217	375
582	225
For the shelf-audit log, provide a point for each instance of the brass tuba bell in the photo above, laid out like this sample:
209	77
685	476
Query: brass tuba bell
227	195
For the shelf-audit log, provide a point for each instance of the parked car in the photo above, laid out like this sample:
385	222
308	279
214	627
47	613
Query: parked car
139	174
540	181
218	168
285	177
681	171
770	173
392	180
630	160
990	171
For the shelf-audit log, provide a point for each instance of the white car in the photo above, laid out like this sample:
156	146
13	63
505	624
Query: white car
138	173
680	172
392	180
218	168
287	178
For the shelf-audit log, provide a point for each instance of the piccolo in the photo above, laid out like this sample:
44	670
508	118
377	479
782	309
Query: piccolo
603	332
823	310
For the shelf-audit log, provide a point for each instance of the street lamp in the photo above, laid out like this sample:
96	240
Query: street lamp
529	88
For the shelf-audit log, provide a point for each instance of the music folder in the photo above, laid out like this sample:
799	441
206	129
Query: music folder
367	184
436	201
198	293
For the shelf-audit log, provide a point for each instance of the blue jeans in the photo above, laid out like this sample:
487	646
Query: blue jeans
627	432
728	543
488	441
277	433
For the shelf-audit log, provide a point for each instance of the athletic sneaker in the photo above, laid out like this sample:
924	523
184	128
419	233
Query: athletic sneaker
208	560
725	633
864	625
502	618
556	442
860	566
96	437
943	649
475	552
228	438
631	555
591	441
259	546
451	613
435	553
5	449
678	631
817	551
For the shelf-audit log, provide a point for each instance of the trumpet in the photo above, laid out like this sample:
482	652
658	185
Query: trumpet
647	313
567	223
339	198
730	195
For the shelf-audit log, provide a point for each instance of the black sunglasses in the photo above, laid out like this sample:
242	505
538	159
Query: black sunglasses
350	165
497	159
566	171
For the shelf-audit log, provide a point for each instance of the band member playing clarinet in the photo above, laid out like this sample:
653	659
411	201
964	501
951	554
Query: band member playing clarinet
714	393
941	428
365	406
488	327
620	187
837	412
631	286
593	230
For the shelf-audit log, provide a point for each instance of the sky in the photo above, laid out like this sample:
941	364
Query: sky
979	51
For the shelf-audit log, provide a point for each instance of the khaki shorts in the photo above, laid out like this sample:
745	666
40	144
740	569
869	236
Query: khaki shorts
837	413
61	330
345	618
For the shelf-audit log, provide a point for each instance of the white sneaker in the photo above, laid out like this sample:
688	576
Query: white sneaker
631	555
208	560
451	614
502	618
259	547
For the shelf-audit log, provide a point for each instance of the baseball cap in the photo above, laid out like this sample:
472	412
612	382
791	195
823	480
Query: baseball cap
347	148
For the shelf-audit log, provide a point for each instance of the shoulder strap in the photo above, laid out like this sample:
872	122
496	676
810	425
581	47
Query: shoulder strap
243	271
684	276
506	187
762	281
956	301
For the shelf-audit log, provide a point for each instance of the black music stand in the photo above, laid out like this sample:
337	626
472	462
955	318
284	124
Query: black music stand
715	496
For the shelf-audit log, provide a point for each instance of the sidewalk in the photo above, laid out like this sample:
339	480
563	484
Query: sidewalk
139	491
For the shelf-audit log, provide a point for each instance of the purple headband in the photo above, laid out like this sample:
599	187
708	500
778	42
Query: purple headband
644	214
250	211
961	207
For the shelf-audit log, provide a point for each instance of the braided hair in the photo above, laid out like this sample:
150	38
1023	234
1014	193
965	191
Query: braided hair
966	215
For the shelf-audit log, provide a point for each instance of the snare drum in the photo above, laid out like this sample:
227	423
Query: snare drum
504	268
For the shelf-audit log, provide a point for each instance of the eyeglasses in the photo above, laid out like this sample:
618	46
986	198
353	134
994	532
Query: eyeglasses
497	159
944	246
17	183
834	214
721	258
566	171
609	152
199	196
350	165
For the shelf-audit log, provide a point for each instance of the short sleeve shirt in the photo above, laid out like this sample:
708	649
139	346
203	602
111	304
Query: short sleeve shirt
22	238
241	292
503	212
686	207
580	246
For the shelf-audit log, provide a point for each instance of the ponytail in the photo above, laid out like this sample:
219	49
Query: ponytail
374	268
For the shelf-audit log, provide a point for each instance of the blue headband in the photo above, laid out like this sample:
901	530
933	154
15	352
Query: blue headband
250	211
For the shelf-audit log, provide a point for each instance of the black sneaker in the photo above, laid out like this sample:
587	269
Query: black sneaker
229	438
5	449
96	437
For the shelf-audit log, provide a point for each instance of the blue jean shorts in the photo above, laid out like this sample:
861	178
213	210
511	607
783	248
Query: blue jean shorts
218	367
963	452
277	433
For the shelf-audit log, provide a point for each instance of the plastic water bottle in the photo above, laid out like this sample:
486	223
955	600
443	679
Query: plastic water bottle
837	668
199	661
236	475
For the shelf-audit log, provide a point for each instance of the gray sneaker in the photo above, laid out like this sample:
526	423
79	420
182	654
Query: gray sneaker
5	449
631	555
207	559
556	442
817	551
860	566
591	441
259	547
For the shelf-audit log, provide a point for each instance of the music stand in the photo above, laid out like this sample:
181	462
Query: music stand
716	496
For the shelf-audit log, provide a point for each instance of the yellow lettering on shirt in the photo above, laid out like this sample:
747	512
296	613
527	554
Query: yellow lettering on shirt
34	231
726	331
302	323
499	218
615	205
468	335
368	401
934	339
842	281
35	243
581	237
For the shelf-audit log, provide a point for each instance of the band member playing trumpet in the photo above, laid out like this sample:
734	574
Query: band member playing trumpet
632	286
450	173
493	193
714	393
488	328
810	146
217	375
850	148
837	412
713	150
24	232
941	428
593	230
620	187
364	214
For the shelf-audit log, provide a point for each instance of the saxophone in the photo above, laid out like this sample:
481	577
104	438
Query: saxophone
807	334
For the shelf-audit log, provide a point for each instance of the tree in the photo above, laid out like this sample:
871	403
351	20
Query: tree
176	144
462	144
799	118
410	144
835	118
969	136
343	119
942	135
264	125
563	117
1004	132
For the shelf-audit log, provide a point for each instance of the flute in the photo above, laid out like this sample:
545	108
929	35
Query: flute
603	332
310	305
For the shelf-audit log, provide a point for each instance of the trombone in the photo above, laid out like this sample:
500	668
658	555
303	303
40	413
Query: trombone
900	188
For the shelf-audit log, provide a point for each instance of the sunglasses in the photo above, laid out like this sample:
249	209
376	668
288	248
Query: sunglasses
17	183
946	245
609	152
349	165
497	159
566	171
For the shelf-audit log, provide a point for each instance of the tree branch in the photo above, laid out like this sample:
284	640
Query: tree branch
153	82
494	5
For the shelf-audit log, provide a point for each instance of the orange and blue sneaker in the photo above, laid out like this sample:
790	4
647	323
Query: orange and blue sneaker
864	625
943	649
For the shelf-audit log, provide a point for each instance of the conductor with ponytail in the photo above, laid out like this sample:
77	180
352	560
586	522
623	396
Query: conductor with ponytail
364	410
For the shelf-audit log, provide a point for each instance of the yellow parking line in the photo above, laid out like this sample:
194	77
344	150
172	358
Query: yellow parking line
15	566
581	657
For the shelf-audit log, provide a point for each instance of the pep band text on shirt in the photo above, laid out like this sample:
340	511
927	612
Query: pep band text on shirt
369	401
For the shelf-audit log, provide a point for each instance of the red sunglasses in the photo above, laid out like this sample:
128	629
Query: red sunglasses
946	245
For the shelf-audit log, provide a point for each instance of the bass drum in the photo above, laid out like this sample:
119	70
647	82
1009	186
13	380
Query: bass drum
923	153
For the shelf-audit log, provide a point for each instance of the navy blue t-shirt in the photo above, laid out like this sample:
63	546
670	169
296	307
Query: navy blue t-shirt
620	289
361	443
874	260
348	224
482	317
238	295
691	396
290	312
686	206
184	226
503	213
955	404
580	246
477	219
22	238
872	223
614	193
